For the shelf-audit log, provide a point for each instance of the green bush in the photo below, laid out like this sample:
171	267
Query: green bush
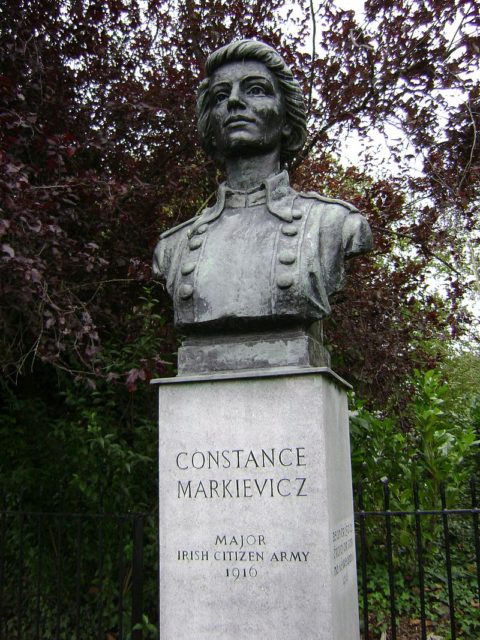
432	444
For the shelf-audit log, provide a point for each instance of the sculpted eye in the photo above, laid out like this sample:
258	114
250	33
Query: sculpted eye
220	97
256	90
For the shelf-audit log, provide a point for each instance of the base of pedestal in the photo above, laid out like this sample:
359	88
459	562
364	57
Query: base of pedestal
256	517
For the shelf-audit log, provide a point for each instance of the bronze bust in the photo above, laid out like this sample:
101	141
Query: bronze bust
251	276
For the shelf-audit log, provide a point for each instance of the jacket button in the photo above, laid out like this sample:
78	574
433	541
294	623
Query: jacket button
202	228
286	257
297	215
284	281
288	230
185	291
187	268
194	243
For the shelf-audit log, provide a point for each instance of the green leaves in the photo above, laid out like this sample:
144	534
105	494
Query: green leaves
433	442
430	442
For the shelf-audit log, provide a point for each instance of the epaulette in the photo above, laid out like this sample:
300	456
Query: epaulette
312	194
173	230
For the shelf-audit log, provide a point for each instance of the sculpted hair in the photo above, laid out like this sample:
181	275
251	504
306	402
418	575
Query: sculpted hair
292	93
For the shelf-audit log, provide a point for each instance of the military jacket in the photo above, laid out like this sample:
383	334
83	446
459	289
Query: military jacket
269	256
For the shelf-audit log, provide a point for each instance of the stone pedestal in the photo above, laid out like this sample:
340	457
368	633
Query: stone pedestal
297	347
256	516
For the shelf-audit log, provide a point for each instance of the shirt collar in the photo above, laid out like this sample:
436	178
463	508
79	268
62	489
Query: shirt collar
275	191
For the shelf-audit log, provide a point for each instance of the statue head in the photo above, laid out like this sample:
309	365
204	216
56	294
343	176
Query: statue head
295	131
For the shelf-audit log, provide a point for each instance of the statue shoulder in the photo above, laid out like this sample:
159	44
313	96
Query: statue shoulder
178	227
343	222
313	195
167	246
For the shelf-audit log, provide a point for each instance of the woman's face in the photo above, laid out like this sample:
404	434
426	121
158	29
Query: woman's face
247	113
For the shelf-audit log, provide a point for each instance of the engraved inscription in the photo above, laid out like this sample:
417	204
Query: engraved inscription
243	555
287	461
343	550
242	548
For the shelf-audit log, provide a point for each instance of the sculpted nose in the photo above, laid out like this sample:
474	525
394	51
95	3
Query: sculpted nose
235	100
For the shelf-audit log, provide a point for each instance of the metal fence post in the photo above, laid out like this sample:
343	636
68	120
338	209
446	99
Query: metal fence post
421	568
137	577
391	574
448	563
20	577
40	525
363	559
476	534
3	517
78	577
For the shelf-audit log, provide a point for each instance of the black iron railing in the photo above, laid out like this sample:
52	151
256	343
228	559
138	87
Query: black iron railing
74	575
434	553
92	576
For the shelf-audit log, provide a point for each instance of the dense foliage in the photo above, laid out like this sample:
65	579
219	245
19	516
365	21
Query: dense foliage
432	464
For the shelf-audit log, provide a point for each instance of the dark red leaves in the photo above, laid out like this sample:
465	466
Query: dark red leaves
98	155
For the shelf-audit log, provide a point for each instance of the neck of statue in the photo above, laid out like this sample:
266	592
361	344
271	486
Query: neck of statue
247	172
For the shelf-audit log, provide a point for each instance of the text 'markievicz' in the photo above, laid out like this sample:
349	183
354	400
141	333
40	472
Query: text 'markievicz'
271	458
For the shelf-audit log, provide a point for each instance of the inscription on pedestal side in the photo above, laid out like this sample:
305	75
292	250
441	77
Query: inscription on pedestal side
343	550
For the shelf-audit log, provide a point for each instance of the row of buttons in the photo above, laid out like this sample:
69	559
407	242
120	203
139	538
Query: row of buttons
286	257
185	291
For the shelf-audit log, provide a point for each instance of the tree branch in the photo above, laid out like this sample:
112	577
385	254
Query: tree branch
312	64
422	246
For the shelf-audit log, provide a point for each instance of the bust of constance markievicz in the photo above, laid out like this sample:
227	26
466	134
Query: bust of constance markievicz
264	260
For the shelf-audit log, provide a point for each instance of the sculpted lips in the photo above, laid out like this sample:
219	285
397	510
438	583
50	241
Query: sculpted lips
237	120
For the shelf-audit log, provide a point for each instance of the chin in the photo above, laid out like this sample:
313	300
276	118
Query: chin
247	146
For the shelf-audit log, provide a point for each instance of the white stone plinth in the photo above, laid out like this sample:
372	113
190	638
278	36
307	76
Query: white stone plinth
256	516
